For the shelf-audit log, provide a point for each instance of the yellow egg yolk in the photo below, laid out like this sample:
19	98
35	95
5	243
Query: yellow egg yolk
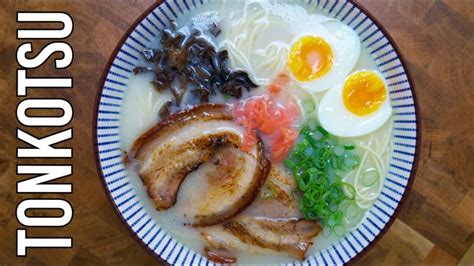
310	58
363	93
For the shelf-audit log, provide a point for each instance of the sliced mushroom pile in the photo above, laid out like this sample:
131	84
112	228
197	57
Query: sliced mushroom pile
188	61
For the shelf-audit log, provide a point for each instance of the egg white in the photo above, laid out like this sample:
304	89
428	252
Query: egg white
346	48
337	120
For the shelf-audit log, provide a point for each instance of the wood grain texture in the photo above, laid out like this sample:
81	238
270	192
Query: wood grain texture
436	225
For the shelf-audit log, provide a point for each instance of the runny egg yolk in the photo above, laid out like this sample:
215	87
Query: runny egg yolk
363	93
310	58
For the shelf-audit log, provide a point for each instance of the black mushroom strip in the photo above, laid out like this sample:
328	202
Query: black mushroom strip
188	61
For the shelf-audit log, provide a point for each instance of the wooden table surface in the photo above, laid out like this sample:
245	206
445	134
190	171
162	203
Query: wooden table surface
436	224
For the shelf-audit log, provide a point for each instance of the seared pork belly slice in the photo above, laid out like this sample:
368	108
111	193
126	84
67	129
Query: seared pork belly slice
225	244
169	165
224	185
276	198
292	236
272	223
202	137
219	255
261	236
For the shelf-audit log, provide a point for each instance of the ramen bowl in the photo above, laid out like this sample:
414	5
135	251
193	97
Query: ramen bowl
129	196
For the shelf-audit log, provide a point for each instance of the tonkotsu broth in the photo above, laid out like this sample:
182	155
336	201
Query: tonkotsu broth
142	103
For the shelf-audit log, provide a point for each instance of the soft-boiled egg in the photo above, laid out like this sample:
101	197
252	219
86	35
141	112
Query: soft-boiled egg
325	54
361	105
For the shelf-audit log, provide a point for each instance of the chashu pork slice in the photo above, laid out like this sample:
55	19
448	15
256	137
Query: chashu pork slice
186	141
291	236
272	223
223	186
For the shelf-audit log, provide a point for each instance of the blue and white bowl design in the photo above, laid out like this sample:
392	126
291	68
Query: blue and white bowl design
131	209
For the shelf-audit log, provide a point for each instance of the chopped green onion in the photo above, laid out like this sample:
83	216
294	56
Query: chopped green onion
323	131
331	140
339	230
335	218
371	176
326	231
351	211
318	161
308	105
349	190
349	147
309	151
349	161
312	124
317	135
338	150
290	164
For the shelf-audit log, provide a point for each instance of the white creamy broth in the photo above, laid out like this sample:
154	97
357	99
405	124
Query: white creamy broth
142	103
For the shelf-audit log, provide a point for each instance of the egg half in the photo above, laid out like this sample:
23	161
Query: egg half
324	55
357	107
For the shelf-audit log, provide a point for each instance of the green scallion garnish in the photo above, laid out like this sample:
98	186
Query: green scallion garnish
318	161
